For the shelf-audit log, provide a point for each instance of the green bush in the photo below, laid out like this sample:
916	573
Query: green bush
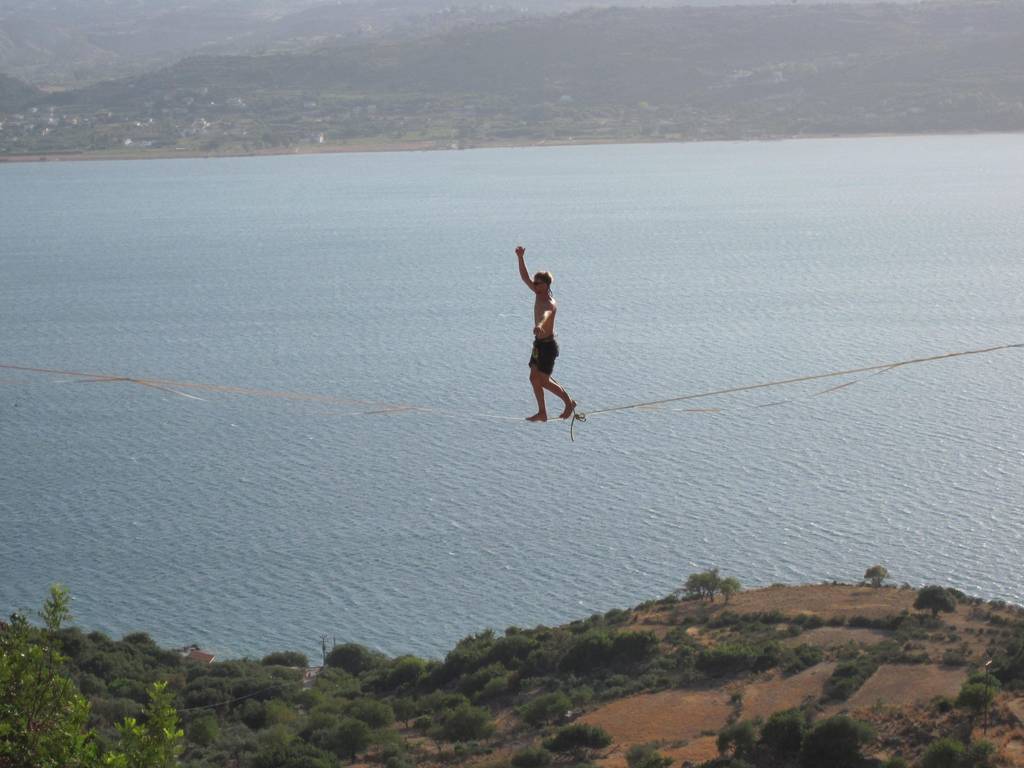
738	738
466	723
835	742
285	659
531	757
203	731
352	658
783	733
547	708
646	756
801	657
727	659
944	753
373	712
850	675
579	740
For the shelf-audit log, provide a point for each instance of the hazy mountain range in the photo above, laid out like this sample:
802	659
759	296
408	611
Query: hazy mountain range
72	42
602	74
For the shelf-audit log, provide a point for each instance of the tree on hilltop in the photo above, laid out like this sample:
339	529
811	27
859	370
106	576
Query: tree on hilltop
703	586
729	586
935	599
876	574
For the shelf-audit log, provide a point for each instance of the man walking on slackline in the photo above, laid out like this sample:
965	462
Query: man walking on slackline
545	348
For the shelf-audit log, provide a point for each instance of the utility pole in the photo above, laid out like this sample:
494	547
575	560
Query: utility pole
988	684
323	648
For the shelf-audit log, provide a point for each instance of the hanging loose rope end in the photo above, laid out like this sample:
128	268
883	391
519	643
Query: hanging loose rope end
577	415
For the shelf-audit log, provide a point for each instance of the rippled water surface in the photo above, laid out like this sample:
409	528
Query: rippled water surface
248	521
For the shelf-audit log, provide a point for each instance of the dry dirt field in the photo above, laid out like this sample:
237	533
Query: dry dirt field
684	722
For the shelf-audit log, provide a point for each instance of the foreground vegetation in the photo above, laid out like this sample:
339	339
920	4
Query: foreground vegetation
520	698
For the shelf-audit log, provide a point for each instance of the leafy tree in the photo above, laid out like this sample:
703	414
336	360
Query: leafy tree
835	742
703	585
729	586
578	740
352	657
42	716
876	574
405	709
286	659
979	754
203	731
976	697
546	708
405	671
739	738
646	756
466	723
347	738
373	712
944	753
154	743
783	733
589	652
935	599
630	648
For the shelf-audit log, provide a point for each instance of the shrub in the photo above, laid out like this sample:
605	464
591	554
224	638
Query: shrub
739	738
800	658
405	671
546	708
531	757
579	740
726	659
979	754
203	731
346	739
848	676
373	712
783	733
285	659
352	658
631	648
835	742
646	756
976	697
944	753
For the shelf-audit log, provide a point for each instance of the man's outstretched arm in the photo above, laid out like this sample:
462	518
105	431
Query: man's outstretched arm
523	271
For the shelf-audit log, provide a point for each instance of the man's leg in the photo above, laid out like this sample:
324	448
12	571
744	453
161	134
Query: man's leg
553	386
536	381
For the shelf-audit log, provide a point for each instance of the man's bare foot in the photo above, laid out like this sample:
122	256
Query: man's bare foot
569	409
537	417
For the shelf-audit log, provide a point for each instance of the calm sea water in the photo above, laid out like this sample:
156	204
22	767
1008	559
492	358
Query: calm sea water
248	523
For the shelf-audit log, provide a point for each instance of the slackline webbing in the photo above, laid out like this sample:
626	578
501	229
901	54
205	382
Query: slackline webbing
371	408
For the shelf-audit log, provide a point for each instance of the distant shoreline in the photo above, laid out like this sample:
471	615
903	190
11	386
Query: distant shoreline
438	146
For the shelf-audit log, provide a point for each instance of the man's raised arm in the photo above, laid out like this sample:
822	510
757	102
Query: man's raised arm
523	271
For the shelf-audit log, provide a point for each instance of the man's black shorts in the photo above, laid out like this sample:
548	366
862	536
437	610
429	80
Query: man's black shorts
544	354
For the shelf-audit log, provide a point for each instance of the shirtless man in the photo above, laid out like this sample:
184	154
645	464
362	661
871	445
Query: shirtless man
545	348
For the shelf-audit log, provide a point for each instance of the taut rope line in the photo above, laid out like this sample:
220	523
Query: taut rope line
370	408
876	369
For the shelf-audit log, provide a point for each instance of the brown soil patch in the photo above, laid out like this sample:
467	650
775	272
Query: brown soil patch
666	716
764	697
830	637
904	685
825	600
